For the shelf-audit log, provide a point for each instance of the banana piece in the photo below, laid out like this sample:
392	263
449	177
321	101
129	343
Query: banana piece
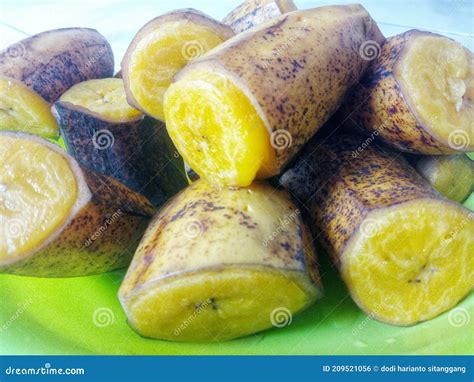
417	95
106	134
242	111
22	109
160	49
53	61
59	219
403	250
452	175
220	264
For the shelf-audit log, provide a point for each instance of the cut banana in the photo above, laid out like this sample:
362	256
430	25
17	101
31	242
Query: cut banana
437	79
244	109
58	219
411	262
452	175
220	264
21	109
417	95
105	133
52	61
404	251
37	185
105	97
206	139
160	49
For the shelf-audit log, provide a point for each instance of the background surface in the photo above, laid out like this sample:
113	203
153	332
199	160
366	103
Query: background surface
119	20
83	315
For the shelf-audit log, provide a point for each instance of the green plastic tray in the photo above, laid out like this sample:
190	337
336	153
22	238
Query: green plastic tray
83	316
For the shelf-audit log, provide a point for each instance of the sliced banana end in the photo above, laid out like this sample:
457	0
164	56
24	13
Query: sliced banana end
412	261
22	109
198	108
436	75
38	191
104	98
218	305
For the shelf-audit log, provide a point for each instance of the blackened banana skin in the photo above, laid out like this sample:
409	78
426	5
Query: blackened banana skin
139	153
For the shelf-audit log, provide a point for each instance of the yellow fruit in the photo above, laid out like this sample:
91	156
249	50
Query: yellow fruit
102	131
58	219
437	77
36	186
51	62
243	110
104	97
452	176
216	305
21	109
160	49
416	263
220	264
417	95
404	251
210	145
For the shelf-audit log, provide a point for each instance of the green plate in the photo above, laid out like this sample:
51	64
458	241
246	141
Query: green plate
83	316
